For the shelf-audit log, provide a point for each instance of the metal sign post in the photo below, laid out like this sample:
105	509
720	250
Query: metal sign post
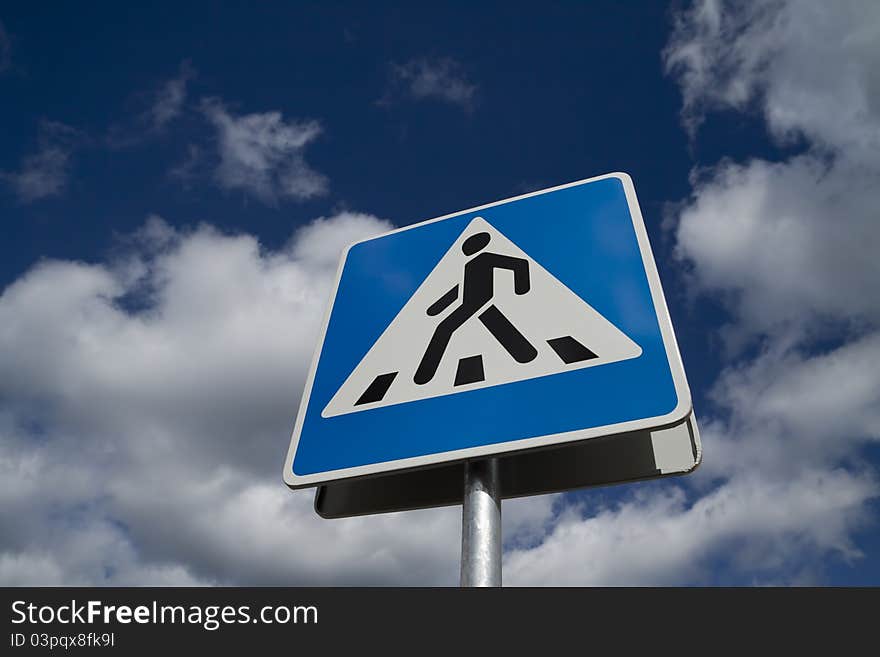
481	525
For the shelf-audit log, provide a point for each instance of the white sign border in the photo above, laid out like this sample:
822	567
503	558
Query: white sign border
677	415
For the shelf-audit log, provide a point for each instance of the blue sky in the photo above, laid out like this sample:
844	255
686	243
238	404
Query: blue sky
176	184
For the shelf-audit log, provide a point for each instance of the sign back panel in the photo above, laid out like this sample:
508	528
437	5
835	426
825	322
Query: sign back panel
604	461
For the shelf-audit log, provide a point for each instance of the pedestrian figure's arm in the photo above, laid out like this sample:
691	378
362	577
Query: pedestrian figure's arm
443	302
521	283
520	269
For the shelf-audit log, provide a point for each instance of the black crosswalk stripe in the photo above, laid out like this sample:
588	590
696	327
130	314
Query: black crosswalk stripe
377	390
470	370
570	350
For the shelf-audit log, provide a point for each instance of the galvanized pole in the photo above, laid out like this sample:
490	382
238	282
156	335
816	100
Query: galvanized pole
481	525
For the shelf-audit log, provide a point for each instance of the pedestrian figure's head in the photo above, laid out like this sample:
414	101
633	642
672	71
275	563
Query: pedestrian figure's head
475	243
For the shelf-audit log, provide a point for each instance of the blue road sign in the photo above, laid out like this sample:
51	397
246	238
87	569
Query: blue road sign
521	324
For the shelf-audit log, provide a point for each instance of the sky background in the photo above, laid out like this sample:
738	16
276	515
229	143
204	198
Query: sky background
176	185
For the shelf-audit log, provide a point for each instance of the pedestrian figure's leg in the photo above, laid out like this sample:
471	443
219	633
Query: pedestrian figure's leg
439	341
512	340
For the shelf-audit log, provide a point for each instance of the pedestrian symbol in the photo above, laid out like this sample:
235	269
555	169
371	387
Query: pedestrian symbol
486	315
476	293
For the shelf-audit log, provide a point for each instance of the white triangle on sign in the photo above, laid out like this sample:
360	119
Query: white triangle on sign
545	330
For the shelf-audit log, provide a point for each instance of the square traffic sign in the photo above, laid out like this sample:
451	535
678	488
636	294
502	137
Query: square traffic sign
528	323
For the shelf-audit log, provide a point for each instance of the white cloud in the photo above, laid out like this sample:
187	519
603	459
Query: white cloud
187	169
438	79
262	155
171	97
159	108
809	67
319	243
527	520
147	406
788	247
757	527
823	405
45	172
787	242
